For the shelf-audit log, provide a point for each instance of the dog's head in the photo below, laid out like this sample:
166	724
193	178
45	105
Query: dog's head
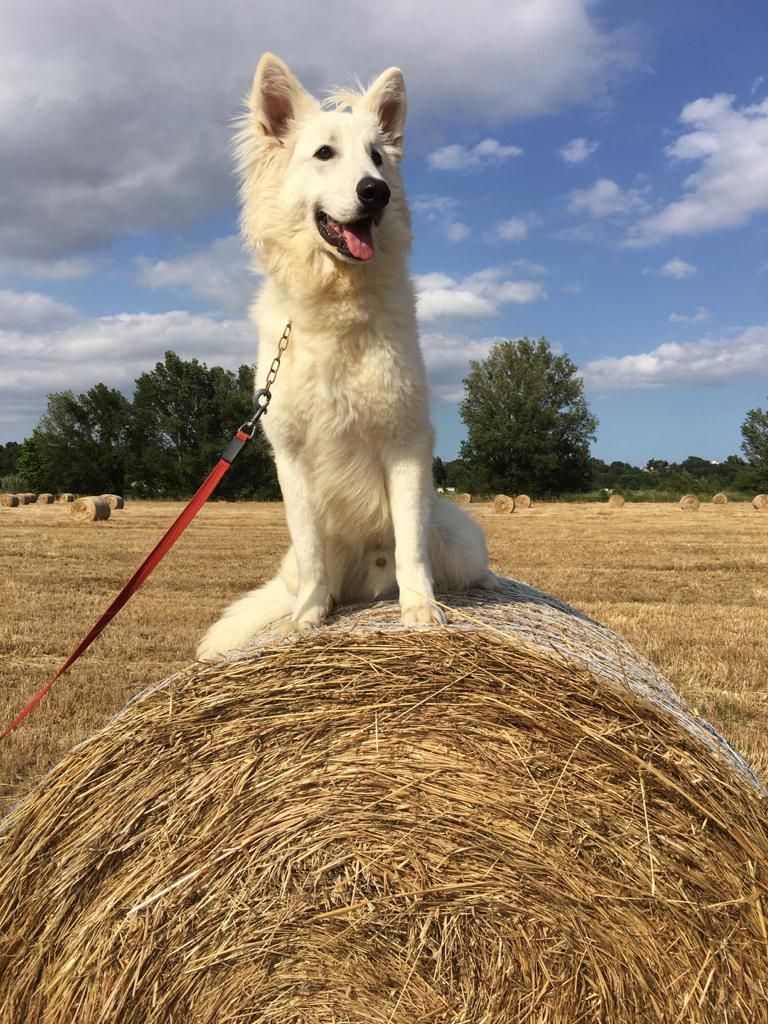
323	185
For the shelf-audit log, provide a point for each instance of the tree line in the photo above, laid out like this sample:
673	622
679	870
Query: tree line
529	429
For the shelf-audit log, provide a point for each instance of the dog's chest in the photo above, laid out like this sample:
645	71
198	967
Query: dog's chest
368	391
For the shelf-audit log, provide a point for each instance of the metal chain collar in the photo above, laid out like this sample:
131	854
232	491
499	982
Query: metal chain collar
263	396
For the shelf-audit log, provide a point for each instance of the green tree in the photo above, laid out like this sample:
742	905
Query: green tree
184	413
528	424
754	430
79	444
439	472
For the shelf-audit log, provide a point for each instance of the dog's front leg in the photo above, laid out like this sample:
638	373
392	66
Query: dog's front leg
409	483
313	598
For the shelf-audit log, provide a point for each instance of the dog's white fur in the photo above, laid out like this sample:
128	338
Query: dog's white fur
348	421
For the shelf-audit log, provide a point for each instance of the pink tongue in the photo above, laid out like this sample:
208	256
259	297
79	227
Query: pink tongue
359	240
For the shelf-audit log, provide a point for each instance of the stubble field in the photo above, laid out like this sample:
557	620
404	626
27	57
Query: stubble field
690	590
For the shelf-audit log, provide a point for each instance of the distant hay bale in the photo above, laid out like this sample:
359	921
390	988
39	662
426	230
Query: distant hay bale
65	498
89	510
689	503
720	499
616	501
27	498
9	500
503	504
522	501
114	500
464	499
760	503
45	499
514	818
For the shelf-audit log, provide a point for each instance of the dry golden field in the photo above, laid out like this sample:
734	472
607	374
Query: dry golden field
690	590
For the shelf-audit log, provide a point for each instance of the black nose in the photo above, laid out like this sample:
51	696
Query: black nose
373	193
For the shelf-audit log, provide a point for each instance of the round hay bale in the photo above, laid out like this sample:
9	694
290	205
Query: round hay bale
760	502
503	504
114	500
9	500
27	498
689	503
464	499
522	501
89	510
45	499
65	498
720	499
616	501
368	824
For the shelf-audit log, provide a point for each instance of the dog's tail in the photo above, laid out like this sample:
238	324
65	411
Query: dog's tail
246	617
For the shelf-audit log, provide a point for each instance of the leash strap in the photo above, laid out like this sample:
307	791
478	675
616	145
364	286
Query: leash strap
228	456
240	439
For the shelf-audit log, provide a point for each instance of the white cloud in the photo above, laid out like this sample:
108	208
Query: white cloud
46	357
730	185
440	297
700	316
513	230
109	128
45	269
447	357
575	288
606	199
31	311
677	269
577	150
461	158
219	273
709	361
441	211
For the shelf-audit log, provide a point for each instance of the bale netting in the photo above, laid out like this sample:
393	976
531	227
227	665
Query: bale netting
45	499
511	819
464	499
114	500
689	503
503	504
9	501
616	501
760	502
90	510
65	498
720	499
522	501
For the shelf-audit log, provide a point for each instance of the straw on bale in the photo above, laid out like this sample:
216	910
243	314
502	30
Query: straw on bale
45	499
65	498
503	504
114	500
760	502
9	500
720	499
512	819
522	501
464	499
616	501
689	503
89	510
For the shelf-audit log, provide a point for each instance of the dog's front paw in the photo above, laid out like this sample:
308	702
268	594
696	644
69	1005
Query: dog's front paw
424	614
311	610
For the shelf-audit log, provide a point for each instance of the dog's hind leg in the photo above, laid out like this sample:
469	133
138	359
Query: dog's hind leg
246	617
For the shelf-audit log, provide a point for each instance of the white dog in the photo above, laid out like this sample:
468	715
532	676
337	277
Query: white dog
323	205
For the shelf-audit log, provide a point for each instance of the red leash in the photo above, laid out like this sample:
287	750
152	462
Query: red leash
228	456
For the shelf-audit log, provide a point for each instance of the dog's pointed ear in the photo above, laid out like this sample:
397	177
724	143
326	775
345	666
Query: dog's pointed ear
277	97
386	101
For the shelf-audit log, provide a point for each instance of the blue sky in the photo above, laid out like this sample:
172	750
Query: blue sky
596	172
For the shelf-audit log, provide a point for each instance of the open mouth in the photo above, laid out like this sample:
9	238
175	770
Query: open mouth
354	240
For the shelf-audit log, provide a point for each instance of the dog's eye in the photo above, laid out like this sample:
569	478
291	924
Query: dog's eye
324	153
377	157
